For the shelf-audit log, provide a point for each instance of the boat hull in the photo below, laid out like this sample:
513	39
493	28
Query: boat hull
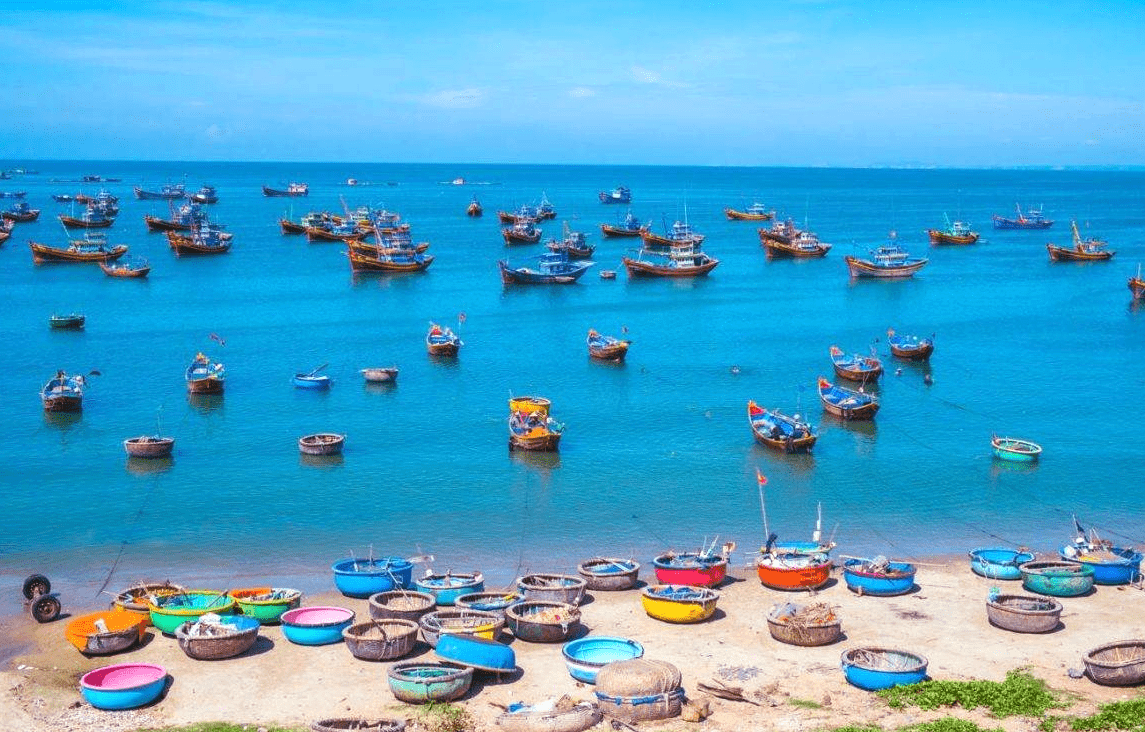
708	574
41	253
919	352
422	683
999	564
941	237
124	630
678	610
1023	613
865	376
614	352
862	412
322	444
205	386
910	668
123	686
125	272
63	403
793	445
362	578
777	249
1121	571
861	268
869	583
157	224
1066	254
639	268
149	447
71	222
810	576
1015	451
289	228
380	375
1025	224
734	215
619	231
547	442
186	245
1137	287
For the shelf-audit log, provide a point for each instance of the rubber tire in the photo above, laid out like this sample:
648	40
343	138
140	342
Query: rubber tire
45	609
36	582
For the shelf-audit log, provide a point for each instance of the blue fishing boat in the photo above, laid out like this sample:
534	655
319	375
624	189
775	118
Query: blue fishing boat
856	367
441	341
168	192
878	577
585	657
1112	565
779	431
887	263
205	194
476	652
1032	219
364	577
881	668
910	347
63	393
204	376
551	268
620	194
846	403
311	381
999	563
630	227
545	209
1057	579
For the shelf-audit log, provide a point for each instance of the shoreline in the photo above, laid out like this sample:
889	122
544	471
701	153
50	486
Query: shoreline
943	618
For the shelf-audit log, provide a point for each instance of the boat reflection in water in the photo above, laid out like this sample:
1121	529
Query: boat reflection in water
206	403
149	466
321	461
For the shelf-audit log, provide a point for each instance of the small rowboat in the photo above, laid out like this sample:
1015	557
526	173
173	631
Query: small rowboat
107	632
857	367
131	267
420	682
754	212
447	587
999	564
779	431
71	321
585	657
785	571
204	376
1023	613
316	626
440	341
679	603
63	393
362	578
1057	579
845	403
321	443
798	625
380	375
149	446
483	654
609	573
1117	664
909	347
878	577
606	348
881	668
1015	450
310	381
124	685
691	568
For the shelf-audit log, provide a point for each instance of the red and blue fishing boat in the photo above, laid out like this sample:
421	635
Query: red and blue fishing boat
182	219
856	367
523	231
63	393
574	244
910	347
20	212
205	194
440	341
779	431
551	268
1032	219
620	194
474	209
204	239
205	377
545	209
846	403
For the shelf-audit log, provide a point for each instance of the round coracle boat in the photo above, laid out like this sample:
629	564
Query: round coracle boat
539	621
585	657
551	715
266	604
679	603
479	653
878	577
490	602
106	632
691	568
609	573
639	690
463	622
1023	613
168	612
420	682
124	685
1057	579
149	446
1117	664
381	640
793	572
881	668
447	587
316	626
212	637
999	563
135	598
552	588
798	625
400	605
351	724
362	578
321	443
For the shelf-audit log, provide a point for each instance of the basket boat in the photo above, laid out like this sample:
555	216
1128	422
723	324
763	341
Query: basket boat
362	578
679	603
691	568
266	604
120	631
321	443
552	588
798	625
639	690
1015	450
1117	664
540	621
553	715
479	653
463	622
490	602
381	640
316	626
447	587
1057	579
873	668
793	571
236	636
400	605
585	657
350	724
1023	613
134	598
149	446
124	685
420	682
865	578
609	574
999	563
170	611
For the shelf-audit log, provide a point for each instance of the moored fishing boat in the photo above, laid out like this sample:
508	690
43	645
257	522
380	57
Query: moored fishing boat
878	576
362	578
292	189
1137	285
182	219
910	347
630	227
779	431
389	260
550	268
63	393
545	209
856	367
886	263
441	341
66	321
846	403
682	261
999	563
1015	450
620	194
606	348
574	244
321	443
203	240
380	375
149	446
780	232
881	668
343	231
1057	579
957	232
800	245
1112	565
679	603
79	250
474	209
522	232
168	192
1083	250
21	213
1032	219
206	194
91	218
755	212
205	377
290	228
531	427
128	267
311	379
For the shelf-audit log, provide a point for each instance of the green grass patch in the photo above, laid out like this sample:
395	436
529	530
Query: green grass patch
1126	716
946	724
443	717
221	727
805	703
1019	695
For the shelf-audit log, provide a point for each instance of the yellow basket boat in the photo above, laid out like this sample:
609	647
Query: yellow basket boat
679	603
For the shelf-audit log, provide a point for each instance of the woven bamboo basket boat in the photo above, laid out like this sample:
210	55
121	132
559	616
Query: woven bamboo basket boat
800	626
639	690
538	621
559	715
1023	613
134	598
553	588
400	605
227	644
464	622
358	725
490	602
1117	664
381	640
609	574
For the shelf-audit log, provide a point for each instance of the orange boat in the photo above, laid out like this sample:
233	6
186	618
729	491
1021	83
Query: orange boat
956	233
754	212
1137	285
1083	250
793	571
106	632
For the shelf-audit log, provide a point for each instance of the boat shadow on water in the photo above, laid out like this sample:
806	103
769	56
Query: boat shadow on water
206	403
543	462
796	462
149	466
384	387
321	461
62	421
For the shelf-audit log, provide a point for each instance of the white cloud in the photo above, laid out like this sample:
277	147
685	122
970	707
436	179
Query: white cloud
456	98
581	92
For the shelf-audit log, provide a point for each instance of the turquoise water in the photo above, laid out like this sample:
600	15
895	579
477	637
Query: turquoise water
657	452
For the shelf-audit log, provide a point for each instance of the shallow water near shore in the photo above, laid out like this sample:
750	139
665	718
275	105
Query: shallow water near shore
657	453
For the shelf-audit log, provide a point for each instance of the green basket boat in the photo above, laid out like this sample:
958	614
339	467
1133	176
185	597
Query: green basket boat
1057	579
168	612
266	604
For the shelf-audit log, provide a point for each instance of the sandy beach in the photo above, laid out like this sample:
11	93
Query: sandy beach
795	688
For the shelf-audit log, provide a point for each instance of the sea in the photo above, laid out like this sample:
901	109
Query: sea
657	453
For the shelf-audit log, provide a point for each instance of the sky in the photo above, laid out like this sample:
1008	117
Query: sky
769	82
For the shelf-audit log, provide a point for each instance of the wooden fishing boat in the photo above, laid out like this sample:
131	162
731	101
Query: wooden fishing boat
679	603
63	393
1015	450
89	219
182	219
21	213
70	321
574	244
103	198
864	369
201	241
206	194
788	571
77	251
1117	664
1057	579
321	443
545	209
606	348
755	212
1083	250
149	446
620	194
681	233
380	375
106	632
474	209
799	625
910	347
609	573
204	377
420	682
681	262
168	192
522	232
440	341
532	429
872	668
886	263
1137	285
393	261
1032	219
780	232
1112	565
878	577
779	431
630	227
699	569
957	232
343	232
800	245
999	563
1023	613
130	267
845	403
289	228
550	268
156	224
292	189
389	246
381	640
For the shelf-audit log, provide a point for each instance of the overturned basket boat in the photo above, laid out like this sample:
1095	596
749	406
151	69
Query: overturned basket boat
479	653
420	682
539	621
552	588
798	625
609	573
460	622
490	602
211	642
1023	613
1117	664
381	640
107	632
358	725
400	605
321	443
553	715
639	690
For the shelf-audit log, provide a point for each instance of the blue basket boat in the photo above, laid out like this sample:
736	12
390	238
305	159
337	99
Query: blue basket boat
585	657
999	563
446	588
124	685
868	577
364	577
419	682
316	626
479	653
1057	579
881	668
1111	565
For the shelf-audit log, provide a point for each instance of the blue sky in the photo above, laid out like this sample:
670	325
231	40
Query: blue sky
789	82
